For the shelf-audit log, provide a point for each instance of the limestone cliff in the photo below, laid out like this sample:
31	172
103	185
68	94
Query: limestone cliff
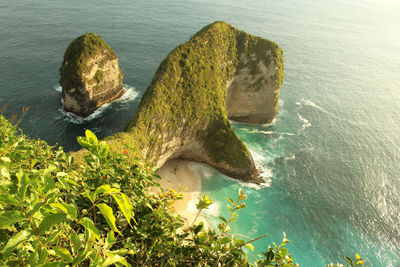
90	75
184	114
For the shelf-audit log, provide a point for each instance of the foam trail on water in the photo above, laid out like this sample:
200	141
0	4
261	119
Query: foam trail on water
308	102
306	123
267	132
129	95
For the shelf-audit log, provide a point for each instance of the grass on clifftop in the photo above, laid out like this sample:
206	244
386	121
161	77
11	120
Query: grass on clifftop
76	58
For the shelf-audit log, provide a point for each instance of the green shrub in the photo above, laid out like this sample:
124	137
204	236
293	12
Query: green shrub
102	212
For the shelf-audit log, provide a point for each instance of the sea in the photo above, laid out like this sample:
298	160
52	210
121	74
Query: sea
330	160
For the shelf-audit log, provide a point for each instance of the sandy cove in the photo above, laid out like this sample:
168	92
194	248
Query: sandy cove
176	174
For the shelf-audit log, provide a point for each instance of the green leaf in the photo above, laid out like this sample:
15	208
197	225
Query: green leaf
43	253
224	240
68	209
250	246
350	261
222	219
63	253
8	218
4	172
16	240
124	205
83	142
49	182
55	264
53	235
103	149
111	259
106	189
76	242
88	224
109	216
23	184
91	138
35	208
8	200
83	254
51	220
5	159
198	228
202	237
110	240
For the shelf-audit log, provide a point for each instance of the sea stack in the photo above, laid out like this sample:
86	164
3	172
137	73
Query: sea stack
90	75
220	73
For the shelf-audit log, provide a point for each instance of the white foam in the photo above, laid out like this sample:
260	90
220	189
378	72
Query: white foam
201	169
58	88
306	123
291	157
129	95
310	103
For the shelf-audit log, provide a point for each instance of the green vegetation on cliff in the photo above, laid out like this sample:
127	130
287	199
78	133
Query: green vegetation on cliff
186	98
76	58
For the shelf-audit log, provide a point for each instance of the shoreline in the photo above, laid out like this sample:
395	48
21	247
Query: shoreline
176	174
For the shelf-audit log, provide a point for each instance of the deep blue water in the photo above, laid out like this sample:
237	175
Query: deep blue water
332	156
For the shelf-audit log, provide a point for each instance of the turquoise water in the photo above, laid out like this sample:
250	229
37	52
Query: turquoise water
331	159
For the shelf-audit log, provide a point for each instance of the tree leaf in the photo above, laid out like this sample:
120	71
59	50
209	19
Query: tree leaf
16	240
66	208
124	205
250	246
51	220
109	216
110	240
8	218
76	242
111	259
105	189
43	253
103	149
91	138
225	240
88	224
63	253
83	142
23	184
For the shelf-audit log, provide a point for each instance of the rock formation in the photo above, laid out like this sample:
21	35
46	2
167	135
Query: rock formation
220	72
90	75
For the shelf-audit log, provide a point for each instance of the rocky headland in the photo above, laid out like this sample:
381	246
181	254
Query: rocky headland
220	73
90	75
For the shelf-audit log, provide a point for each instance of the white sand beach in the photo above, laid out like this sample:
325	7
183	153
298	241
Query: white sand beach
175	174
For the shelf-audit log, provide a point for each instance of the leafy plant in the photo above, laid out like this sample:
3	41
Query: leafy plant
101	212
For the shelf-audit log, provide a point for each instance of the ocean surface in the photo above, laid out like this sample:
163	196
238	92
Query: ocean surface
331	160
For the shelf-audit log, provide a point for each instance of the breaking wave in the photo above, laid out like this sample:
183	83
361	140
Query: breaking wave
130	95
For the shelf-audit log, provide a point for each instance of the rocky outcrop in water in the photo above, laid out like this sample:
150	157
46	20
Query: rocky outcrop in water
90	75
220	72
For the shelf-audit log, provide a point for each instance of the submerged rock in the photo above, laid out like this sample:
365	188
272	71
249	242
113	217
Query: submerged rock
90	75
220	72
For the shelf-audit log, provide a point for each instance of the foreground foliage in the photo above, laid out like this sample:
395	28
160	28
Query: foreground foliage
101	213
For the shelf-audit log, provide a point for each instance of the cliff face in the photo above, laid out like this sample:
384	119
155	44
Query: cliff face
90	75
253	91
184	114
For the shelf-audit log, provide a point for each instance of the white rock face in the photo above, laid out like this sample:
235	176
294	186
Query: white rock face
252	95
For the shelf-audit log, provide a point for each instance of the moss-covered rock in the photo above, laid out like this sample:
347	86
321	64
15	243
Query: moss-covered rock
183	112
90	75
